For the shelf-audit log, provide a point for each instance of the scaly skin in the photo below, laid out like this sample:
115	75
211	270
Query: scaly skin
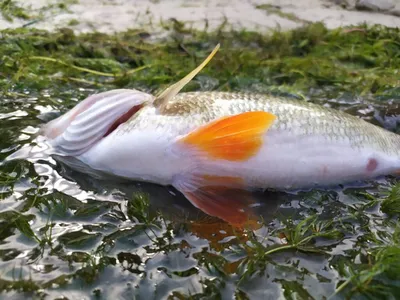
307	145
297	117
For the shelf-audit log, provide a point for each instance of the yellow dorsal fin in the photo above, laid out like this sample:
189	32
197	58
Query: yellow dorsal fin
162	99
233	138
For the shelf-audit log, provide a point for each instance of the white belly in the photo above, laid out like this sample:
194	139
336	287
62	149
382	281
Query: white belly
139	156
285	162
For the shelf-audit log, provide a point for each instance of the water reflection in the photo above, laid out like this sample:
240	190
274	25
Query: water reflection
172	204
73	178
89	238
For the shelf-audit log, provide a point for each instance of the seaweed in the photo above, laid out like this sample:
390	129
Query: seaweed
318	243
361	62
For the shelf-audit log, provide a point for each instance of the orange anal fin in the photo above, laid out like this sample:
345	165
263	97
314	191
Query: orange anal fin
231	206
220	197
233	138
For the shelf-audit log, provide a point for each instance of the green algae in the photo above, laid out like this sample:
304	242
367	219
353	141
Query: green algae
12	10
105	237
363	61
9	10
275	9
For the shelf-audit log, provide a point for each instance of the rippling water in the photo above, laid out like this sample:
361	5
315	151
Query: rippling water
69	231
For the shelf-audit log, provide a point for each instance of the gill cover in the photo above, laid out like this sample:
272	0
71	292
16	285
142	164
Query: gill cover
95	117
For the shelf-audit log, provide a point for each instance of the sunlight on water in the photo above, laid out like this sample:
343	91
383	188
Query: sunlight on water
68	230
75	225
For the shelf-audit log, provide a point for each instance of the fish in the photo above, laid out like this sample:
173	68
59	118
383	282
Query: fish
216	148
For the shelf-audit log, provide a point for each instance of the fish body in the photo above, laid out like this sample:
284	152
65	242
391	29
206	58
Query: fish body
215	146
307	145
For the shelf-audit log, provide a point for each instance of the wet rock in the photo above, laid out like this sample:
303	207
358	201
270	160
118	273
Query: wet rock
389	7
376	5
347	4
396	10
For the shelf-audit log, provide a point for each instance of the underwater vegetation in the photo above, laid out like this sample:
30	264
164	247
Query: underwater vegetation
64	233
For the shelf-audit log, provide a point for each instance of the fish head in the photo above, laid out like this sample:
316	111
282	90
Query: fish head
93	119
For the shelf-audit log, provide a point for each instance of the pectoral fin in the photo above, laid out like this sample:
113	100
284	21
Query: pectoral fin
233	138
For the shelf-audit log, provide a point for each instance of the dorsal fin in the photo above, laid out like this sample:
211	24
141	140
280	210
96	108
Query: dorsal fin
162	100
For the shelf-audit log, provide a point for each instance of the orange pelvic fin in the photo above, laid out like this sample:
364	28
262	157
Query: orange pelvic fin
233	138
219	196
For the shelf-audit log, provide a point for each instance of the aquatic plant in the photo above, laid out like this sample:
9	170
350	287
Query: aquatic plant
62	231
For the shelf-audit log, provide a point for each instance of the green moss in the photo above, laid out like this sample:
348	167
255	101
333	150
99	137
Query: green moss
273	9
357	62
312	60
379	278
391	203
10	10
73	22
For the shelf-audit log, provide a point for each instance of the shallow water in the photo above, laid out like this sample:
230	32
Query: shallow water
64	232
74	233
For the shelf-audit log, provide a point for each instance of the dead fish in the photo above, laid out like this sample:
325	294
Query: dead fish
214	147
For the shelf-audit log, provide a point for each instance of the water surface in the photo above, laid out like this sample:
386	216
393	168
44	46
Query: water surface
75	233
